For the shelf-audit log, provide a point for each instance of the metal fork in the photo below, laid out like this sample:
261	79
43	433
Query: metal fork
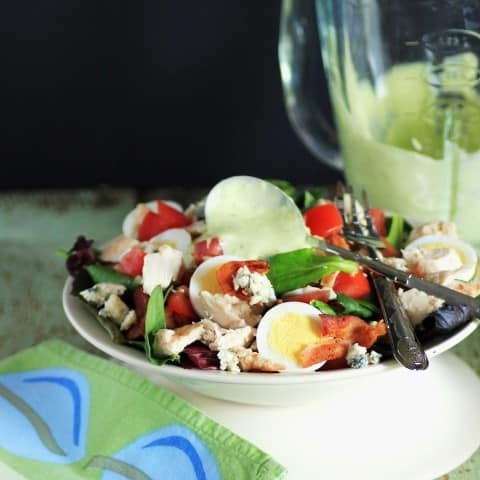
406	348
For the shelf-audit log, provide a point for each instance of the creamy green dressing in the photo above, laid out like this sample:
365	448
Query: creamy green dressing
254	218
414	152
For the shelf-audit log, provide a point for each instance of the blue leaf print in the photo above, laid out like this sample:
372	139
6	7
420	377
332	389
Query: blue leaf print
171	453
44	414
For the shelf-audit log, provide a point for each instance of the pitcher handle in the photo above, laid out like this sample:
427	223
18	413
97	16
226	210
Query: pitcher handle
302	76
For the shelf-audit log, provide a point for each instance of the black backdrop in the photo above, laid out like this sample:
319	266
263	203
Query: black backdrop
153	93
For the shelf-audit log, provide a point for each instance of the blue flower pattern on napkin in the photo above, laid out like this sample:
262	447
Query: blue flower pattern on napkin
170	453
44	414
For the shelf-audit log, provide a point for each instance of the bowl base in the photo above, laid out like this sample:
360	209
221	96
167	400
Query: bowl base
415	425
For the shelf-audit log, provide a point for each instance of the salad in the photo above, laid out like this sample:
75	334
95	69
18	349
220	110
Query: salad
232	283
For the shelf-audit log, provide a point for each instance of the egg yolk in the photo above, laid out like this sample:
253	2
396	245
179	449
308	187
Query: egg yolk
159	243
209	282
290	333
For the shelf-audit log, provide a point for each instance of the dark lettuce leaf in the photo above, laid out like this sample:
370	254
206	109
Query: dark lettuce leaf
199	356
80	255
448	318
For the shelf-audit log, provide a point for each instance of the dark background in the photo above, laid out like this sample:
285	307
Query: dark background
153	93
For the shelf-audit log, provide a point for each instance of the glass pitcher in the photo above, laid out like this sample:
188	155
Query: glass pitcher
403	81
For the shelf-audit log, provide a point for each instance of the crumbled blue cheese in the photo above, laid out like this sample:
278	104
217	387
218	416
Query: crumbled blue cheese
254	284
374	357
358	357
99	293
228	361
129	320
115	309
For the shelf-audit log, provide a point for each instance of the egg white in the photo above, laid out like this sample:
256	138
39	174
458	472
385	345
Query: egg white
467	252
199	276
178	237
265	324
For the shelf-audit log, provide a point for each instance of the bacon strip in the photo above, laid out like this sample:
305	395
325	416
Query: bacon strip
338	333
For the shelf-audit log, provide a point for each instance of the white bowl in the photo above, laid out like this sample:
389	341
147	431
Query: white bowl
252	388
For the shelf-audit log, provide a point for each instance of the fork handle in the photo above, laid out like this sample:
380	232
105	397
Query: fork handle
405	346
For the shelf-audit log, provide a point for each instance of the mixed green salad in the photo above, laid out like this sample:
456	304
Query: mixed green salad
232	282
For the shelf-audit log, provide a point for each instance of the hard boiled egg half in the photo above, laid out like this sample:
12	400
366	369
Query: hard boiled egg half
204	278
466	253
285	330
177	238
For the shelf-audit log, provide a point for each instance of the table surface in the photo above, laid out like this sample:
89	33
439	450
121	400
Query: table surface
34	224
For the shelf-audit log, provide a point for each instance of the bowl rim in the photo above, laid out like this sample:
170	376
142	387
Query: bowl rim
81	319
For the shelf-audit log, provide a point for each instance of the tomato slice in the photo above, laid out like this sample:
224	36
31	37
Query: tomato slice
155	223
355	285
132	262
227	271
178	308
378	220
323	220
389	250
204	249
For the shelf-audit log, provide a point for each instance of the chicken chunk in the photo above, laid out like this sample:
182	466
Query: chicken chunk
172	342
467	288
424	262
161	268
250	361
418	305
229	311
395	262
218	338
444	228
113	250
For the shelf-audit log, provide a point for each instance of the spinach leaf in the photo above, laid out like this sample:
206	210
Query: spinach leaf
396	230
310	197
285	186
323	307
298	268
155	320
61	253
352	306
99	273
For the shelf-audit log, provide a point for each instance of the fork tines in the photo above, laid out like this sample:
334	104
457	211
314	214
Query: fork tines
353	228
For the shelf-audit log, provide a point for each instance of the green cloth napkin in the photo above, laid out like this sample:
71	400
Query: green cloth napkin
66	414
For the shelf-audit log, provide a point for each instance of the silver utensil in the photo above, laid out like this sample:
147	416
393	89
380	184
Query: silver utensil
402	278
406	348
405	345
